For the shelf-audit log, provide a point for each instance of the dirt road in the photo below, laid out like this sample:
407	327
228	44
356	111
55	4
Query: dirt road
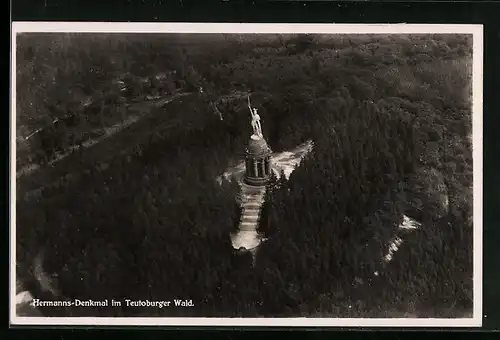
119	140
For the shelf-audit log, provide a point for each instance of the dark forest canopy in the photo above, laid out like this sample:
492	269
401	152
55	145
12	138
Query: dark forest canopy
144	218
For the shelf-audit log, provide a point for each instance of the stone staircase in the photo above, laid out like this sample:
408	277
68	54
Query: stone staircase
251	202
251	199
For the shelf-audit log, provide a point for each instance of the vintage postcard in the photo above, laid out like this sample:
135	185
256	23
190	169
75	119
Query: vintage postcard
289	175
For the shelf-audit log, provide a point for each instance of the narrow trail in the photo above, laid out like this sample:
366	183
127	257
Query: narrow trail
407	225
116	140
120	140
143	110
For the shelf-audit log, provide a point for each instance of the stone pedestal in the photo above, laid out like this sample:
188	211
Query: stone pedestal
257	162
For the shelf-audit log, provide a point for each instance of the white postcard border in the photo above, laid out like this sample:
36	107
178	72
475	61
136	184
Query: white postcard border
247	28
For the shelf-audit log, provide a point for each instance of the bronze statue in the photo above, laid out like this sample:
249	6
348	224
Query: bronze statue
257	128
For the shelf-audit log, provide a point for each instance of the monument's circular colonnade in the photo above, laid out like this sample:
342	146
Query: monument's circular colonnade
257	162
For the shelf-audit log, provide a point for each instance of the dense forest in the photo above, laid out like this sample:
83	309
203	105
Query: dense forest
139	215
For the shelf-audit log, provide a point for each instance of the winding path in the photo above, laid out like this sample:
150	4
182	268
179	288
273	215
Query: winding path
143	109
23	298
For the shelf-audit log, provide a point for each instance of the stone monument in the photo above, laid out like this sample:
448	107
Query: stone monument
253	187
257	154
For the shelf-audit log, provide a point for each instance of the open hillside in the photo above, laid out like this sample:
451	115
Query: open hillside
126	135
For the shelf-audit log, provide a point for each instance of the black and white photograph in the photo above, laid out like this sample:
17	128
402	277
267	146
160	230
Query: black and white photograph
246	174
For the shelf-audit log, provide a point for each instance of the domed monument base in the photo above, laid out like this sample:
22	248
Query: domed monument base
257	162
